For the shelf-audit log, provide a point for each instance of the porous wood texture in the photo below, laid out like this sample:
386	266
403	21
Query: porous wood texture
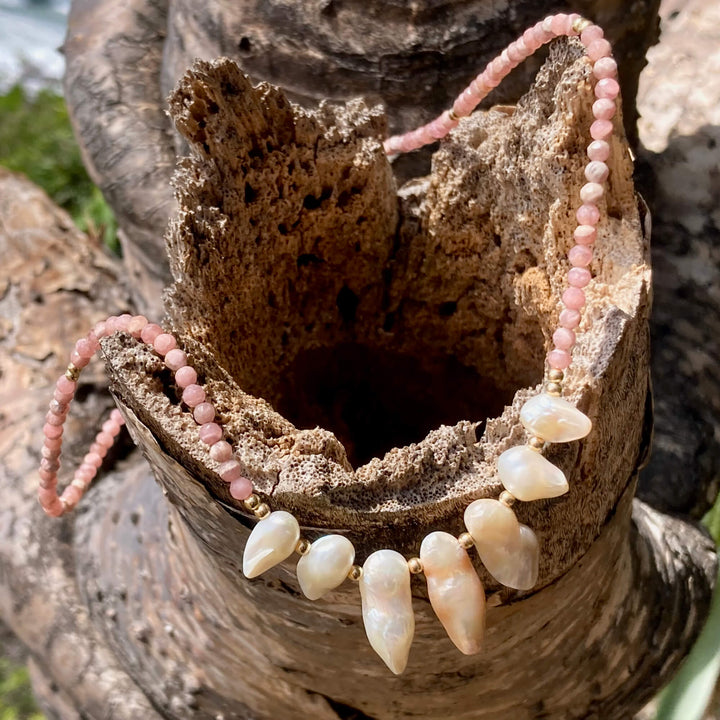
123	58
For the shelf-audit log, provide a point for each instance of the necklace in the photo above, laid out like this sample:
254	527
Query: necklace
508	549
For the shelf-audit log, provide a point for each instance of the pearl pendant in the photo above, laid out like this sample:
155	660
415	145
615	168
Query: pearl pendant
529	476
387	607
455	591
554	419
325	566
271	541
508	550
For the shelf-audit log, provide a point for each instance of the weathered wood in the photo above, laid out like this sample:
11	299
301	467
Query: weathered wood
124	58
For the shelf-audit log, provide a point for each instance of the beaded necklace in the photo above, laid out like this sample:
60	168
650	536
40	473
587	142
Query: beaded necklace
508	549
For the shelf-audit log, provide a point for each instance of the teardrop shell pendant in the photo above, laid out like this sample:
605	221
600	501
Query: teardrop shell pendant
508	549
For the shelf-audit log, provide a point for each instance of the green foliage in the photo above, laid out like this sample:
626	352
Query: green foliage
16	700
36	139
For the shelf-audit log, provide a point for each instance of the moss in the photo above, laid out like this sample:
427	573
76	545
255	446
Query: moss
36	139
16	700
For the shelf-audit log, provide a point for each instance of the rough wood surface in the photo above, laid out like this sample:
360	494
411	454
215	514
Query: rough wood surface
123	59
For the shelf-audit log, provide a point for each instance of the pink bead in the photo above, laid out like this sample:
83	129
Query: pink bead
580	256
230	470
175	358
55	509
598	150
596	171
150	332
221	451
591	193
573	298
185	377
101	450
110	427
65	386
574	17
607	88
605	68
105	439
136	325
601	129
204	413
599	49
541	34
590	34
603	109
53	419
193	395
100	329
210	433
52	431
111	325
123	321
585	234
563	338
46	496
116	417
71	495
559	24
241	488
63	397
559	359
529	38
78	360
579	277
489	79
50	465
163	343
48	481
588	215
517	52
86	348
94	459
465	103
53	443
49	453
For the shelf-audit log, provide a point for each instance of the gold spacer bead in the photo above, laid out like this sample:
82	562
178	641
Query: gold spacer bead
303	546
262	511
252	502
355	573
507	498
556	375
536	443
581	24
415	565
466	540
553	388
72	372
452	115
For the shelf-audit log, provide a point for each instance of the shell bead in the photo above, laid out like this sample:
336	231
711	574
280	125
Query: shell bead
554	419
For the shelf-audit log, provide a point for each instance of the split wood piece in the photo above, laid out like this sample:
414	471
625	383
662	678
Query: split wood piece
123	59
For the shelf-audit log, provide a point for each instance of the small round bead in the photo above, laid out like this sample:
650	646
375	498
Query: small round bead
507	498
66	386
105	438
554	388
110	325
73	371
599	48
110	427
601	129
58	408
116	417
573	298
53	443
210	433
48	480
63	397
556	375
603	109
262	511
230	470
605	68
204	413
563	338
580	255
175	359
185	377
78	361
585	234
163	343
598	150
415	565
52	431
50	465
355	573
579	277
221	451
53	419
607	88
590	34
241	489
569	319
94	459
558	359
588	214
150	332
560	24
100	329
136	325
123	322
303	546
55	509
71	495
85	348
591	193
596	171
252	502
193	395
49	453
466	540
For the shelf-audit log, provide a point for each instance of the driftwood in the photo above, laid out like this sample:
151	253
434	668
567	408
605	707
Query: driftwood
108	638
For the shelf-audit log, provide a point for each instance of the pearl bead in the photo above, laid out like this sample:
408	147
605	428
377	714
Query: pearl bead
272	540
530	476
554	419
325	566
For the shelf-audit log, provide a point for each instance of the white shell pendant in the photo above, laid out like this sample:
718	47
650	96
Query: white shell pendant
455	591
325	566
387	607
508	550
554	419
529	476
271	541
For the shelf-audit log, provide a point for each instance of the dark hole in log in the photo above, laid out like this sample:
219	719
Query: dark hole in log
375	399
